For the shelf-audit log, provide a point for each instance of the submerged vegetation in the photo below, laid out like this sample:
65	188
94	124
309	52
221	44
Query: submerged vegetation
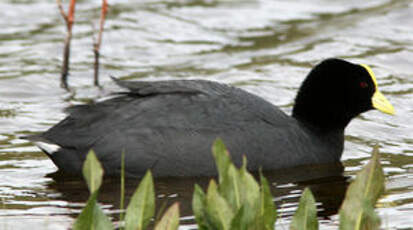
235	202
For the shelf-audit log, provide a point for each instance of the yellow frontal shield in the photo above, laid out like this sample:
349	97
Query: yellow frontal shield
378	100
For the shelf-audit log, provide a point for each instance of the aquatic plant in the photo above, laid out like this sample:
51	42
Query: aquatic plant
69	19
235	202
98	41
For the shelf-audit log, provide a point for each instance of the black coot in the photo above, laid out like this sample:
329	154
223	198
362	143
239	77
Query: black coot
169	126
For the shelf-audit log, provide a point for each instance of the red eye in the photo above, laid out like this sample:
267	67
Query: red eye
363	84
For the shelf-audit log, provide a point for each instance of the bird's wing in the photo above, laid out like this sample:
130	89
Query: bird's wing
157	121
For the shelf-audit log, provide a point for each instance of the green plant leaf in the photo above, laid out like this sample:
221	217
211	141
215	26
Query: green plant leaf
231	188
170	220
218	212
92	217
305	218
230	185
357	210
267	213
141	207
251	189
241	220
199	207
92	172
222	159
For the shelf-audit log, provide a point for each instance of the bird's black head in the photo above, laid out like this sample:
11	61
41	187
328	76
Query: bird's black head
334	92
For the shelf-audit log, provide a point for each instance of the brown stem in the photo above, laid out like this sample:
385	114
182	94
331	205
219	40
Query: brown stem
96	66
69	19
66	57
62	12
96	45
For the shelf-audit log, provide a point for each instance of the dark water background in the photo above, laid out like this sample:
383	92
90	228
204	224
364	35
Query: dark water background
266	47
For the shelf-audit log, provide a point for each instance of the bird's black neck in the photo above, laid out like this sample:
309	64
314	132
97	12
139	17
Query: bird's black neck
328	132
321	119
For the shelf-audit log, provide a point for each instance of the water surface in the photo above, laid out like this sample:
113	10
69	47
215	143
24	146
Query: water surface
266	47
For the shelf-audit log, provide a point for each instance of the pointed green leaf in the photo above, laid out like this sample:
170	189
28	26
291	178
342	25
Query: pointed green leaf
92	171
357	210
231	188
199	208
170	220
267	213
141	207
92	217
222	159
251	190
218	212
229	179
305	218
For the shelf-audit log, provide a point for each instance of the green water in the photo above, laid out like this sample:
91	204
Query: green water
266	47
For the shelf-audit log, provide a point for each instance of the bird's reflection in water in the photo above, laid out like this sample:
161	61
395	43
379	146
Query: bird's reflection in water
326	182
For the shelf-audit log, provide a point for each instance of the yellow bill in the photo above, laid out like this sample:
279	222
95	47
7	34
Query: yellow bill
381	103
378	100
